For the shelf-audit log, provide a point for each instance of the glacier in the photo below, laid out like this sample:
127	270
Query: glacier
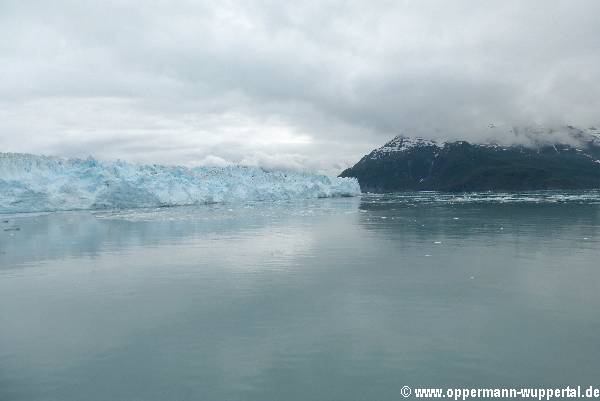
31	183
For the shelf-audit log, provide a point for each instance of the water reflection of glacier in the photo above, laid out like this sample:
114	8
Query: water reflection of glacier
273	228
27	238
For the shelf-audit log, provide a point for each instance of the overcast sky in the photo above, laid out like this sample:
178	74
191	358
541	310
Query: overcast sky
313	85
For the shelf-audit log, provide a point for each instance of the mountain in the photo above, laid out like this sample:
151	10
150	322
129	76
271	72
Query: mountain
545	159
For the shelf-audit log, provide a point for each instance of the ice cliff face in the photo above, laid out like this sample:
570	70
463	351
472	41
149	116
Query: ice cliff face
31	183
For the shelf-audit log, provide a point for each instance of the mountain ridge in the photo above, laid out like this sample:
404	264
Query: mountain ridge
416	163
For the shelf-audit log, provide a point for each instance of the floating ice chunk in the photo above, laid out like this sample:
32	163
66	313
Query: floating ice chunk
31	183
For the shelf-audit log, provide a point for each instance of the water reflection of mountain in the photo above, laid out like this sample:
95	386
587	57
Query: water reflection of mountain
462	220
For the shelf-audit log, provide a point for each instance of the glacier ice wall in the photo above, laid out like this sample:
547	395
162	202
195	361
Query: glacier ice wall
30	183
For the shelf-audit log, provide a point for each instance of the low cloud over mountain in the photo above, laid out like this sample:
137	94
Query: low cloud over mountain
304	86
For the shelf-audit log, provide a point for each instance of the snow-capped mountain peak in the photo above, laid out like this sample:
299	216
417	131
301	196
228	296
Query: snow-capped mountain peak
403	143
502	137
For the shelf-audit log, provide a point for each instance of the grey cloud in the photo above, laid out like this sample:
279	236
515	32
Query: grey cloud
312	85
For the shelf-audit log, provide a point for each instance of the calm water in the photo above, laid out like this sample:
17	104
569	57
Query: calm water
344	299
